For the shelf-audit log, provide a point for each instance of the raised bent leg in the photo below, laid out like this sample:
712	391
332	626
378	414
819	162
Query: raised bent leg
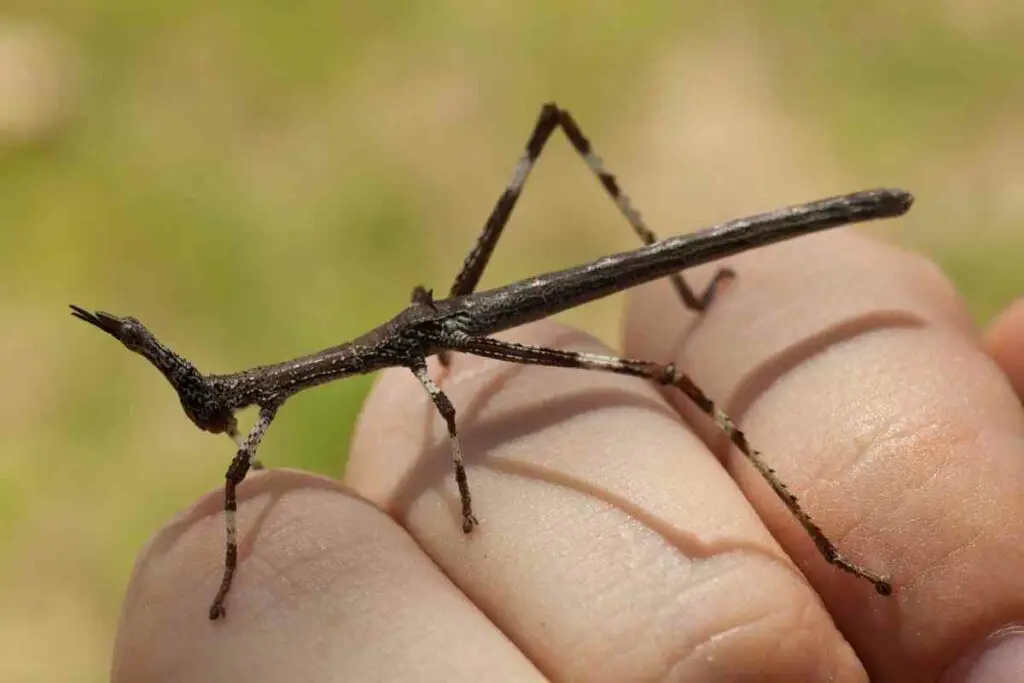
551	116
236	473
669	375
447	410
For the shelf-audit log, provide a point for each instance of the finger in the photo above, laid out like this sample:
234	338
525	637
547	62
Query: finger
612	546
1004	339
327	588
853	367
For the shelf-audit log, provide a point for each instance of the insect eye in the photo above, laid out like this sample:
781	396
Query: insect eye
133	334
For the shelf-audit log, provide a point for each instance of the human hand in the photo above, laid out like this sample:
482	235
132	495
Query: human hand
613	545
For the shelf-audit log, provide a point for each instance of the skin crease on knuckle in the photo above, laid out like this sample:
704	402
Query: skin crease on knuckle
853	366
612	545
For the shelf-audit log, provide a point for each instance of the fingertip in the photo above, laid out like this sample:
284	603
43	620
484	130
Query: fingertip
327	586
1004	341
167	630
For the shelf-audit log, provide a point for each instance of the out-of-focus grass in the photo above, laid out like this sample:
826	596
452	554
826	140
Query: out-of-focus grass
256	180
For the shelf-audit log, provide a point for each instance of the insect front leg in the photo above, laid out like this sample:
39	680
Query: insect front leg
236	436
232	478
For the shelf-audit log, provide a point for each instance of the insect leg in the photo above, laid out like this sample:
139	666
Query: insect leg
233	477
670	376
447	410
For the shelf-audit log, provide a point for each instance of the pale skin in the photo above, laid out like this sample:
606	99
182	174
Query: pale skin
613	544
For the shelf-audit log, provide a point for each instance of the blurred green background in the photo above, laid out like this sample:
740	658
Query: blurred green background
258	179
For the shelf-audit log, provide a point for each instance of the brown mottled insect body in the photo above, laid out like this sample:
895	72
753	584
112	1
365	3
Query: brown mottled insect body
462	321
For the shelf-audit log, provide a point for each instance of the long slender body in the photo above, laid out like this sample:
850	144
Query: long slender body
528	300
462	321
538	297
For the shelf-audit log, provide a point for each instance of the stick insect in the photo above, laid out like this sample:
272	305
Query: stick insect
464	320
